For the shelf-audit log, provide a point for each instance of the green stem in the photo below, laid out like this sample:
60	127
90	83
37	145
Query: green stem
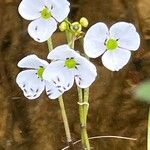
83	108
81	114
50	44
148	132
62	107
86	100
65	120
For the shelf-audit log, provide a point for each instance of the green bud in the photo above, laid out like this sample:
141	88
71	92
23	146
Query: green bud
63	26
84	22
76	27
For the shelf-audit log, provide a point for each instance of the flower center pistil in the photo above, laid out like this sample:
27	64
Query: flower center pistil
70	63
40	72
45	13
112	44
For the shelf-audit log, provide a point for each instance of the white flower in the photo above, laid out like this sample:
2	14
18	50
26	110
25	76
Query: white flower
45	15
115	44
31	80
68	66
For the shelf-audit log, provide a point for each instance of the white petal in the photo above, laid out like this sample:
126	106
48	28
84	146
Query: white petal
32	61
30	9
116	60
60	10
126	34
41	30
52	91
94	48
85	74
52	70
58	74
62	82
62	52
94	40
31	85
130	42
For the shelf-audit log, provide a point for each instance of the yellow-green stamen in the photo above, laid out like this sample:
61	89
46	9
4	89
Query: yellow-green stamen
45	13
112	44
40	72
70	63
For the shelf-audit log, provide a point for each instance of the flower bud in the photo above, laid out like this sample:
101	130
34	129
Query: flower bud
84	22
76	27
63	26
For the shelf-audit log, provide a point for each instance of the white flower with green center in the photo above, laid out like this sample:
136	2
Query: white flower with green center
31	80
68	66
115	44
45	15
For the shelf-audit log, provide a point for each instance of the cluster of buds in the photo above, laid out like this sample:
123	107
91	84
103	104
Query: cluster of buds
75	27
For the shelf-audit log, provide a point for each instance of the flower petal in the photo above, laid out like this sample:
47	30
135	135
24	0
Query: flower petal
116	60
62	77
52	91
30	9
94	40
62	82
93	48
60	10
30	84
41	30
52	70
32	61
85	74
126	34
62	52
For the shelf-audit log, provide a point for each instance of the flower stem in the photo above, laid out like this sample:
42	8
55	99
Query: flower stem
62	107
50	44
148	132
83	108
65	120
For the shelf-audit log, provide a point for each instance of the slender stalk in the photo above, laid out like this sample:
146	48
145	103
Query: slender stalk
50	44
86	108
86	100
148	132
62	107
81	114
83	108
65	120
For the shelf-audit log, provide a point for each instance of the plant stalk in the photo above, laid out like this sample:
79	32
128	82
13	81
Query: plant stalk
65	120
148	131
62	107
83	96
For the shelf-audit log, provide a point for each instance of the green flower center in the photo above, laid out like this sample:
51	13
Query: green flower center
70	63
45	13
111	44
40	72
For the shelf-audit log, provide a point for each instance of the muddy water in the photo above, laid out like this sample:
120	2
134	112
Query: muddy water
37	125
